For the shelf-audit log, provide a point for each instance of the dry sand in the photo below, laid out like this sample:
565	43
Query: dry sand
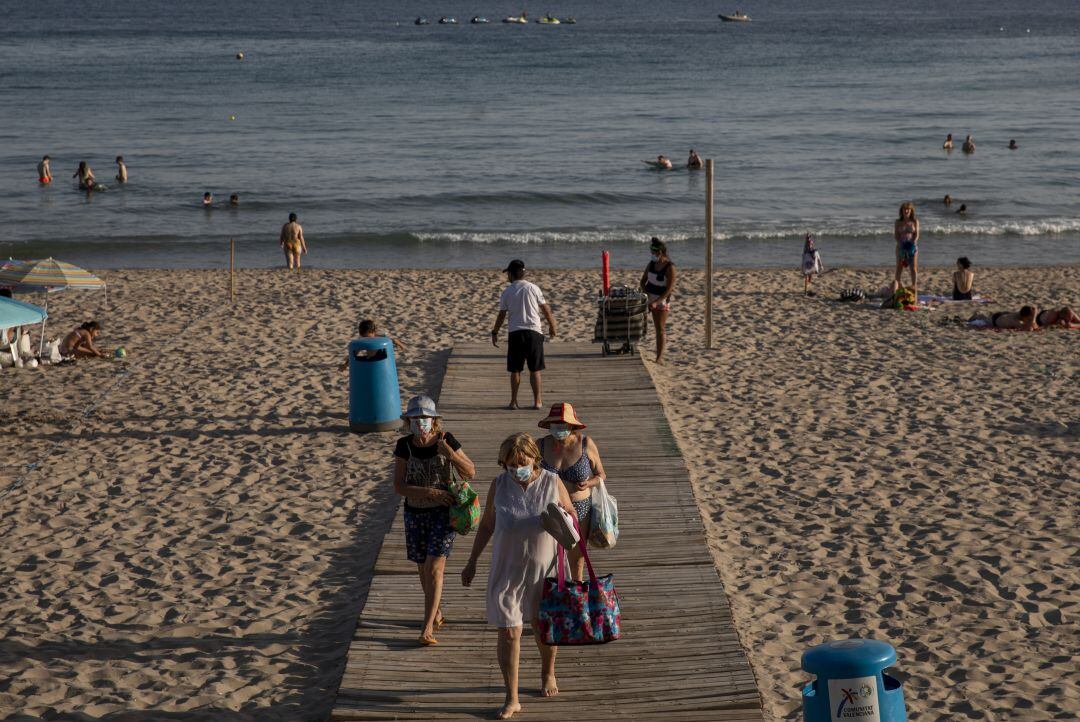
202	540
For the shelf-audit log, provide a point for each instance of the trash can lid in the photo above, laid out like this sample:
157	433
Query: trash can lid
848	658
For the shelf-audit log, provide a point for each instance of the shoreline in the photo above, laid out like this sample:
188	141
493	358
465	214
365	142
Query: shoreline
203	539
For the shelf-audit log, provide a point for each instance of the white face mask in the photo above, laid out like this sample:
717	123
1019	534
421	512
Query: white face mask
521	473
560	431
656	257
421	426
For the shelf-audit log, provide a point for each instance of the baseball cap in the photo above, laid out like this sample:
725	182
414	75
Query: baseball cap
515	265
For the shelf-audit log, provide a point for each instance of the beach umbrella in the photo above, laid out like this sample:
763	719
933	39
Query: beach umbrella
47	274
14	314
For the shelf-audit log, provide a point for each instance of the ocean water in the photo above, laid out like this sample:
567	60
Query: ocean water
463	146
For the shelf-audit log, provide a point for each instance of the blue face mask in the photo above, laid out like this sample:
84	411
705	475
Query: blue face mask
560	431
521	473
656	257
421	426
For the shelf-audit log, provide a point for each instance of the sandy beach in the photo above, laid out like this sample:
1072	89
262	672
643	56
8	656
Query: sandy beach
190	532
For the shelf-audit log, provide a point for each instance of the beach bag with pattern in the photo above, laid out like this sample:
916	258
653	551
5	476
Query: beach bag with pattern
604	531
573	612
465	511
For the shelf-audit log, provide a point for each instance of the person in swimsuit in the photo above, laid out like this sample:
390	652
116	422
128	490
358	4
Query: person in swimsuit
969	144
576	460
121	170
947	145
80	342
207	199
658	281
694	162
1065	317
85	176
906	233
948	200
44	172
424	461
962	211
522	554
1024	320
811	263
963	280
1013	145
292	242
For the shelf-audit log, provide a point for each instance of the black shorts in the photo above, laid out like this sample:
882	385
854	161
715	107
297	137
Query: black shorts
525	347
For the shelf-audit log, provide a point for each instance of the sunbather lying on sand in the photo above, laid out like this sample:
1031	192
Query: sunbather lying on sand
1029	318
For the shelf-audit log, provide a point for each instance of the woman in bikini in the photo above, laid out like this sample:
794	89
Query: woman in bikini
1065	317
963	280
80	342
658	282
906	233
576	460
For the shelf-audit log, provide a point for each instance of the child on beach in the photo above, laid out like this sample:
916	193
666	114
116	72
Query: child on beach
366	329
811	263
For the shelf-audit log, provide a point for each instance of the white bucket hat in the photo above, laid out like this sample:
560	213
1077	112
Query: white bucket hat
420	406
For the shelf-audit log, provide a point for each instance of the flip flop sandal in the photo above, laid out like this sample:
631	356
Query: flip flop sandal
557	522
428	641
440	621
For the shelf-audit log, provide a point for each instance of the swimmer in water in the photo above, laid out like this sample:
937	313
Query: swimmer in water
962	212
948	200
663	162
969	144
44	172
85	176
292	242
121	170
234	200
947	145
694	162
207	199
1013	145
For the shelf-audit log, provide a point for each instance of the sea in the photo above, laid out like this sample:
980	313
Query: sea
464	145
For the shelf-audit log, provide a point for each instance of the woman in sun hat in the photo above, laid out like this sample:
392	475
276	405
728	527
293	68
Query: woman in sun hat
422	467
574	457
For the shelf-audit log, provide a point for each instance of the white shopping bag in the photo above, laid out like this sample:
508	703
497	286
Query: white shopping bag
604	531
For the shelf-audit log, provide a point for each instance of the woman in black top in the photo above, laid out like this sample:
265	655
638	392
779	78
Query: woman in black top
422	467
658	282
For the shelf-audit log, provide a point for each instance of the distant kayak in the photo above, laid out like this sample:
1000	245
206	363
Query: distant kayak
479	21
447	21
516	19
421	21
736	18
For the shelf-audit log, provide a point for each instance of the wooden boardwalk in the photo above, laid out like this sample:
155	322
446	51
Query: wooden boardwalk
679	657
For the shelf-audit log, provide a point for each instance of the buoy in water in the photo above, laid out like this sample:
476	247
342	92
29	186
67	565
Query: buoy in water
232	117
239	56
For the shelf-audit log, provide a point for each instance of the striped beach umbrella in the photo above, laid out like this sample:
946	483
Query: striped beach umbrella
47	274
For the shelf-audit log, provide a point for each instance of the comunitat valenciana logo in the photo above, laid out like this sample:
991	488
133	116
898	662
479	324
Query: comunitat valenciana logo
853	702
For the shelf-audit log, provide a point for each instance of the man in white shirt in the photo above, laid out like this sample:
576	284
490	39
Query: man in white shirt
523	302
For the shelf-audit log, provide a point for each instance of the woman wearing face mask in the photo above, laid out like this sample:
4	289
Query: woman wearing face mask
422	462
658	282
575	459
522	555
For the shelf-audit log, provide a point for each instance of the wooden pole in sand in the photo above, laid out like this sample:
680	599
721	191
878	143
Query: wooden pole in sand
232	271
708	251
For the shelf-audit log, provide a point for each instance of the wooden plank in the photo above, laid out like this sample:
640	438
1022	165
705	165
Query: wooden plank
679	658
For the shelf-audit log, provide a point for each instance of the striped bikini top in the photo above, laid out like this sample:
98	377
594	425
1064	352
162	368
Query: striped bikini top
581	470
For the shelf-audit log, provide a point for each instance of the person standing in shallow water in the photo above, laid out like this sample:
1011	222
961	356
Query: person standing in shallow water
658	281
44	171
292	242
121	170
423	462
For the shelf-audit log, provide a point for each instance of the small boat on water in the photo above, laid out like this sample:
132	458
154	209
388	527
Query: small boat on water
447	21
516	19
479	20
738	17
421	21
569	21
548	20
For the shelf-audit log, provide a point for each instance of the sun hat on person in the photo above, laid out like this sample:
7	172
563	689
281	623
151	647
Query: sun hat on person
420	406
561	414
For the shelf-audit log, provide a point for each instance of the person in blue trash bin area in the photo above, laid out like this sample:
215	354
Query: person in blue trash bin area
367	329
424	460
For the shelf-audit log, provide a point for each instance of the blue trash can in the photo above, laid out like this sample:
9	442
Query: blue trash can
374	397
851	684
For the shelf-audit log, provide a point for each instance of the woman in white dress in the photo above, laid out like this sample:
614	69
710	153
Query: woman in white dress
522	555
